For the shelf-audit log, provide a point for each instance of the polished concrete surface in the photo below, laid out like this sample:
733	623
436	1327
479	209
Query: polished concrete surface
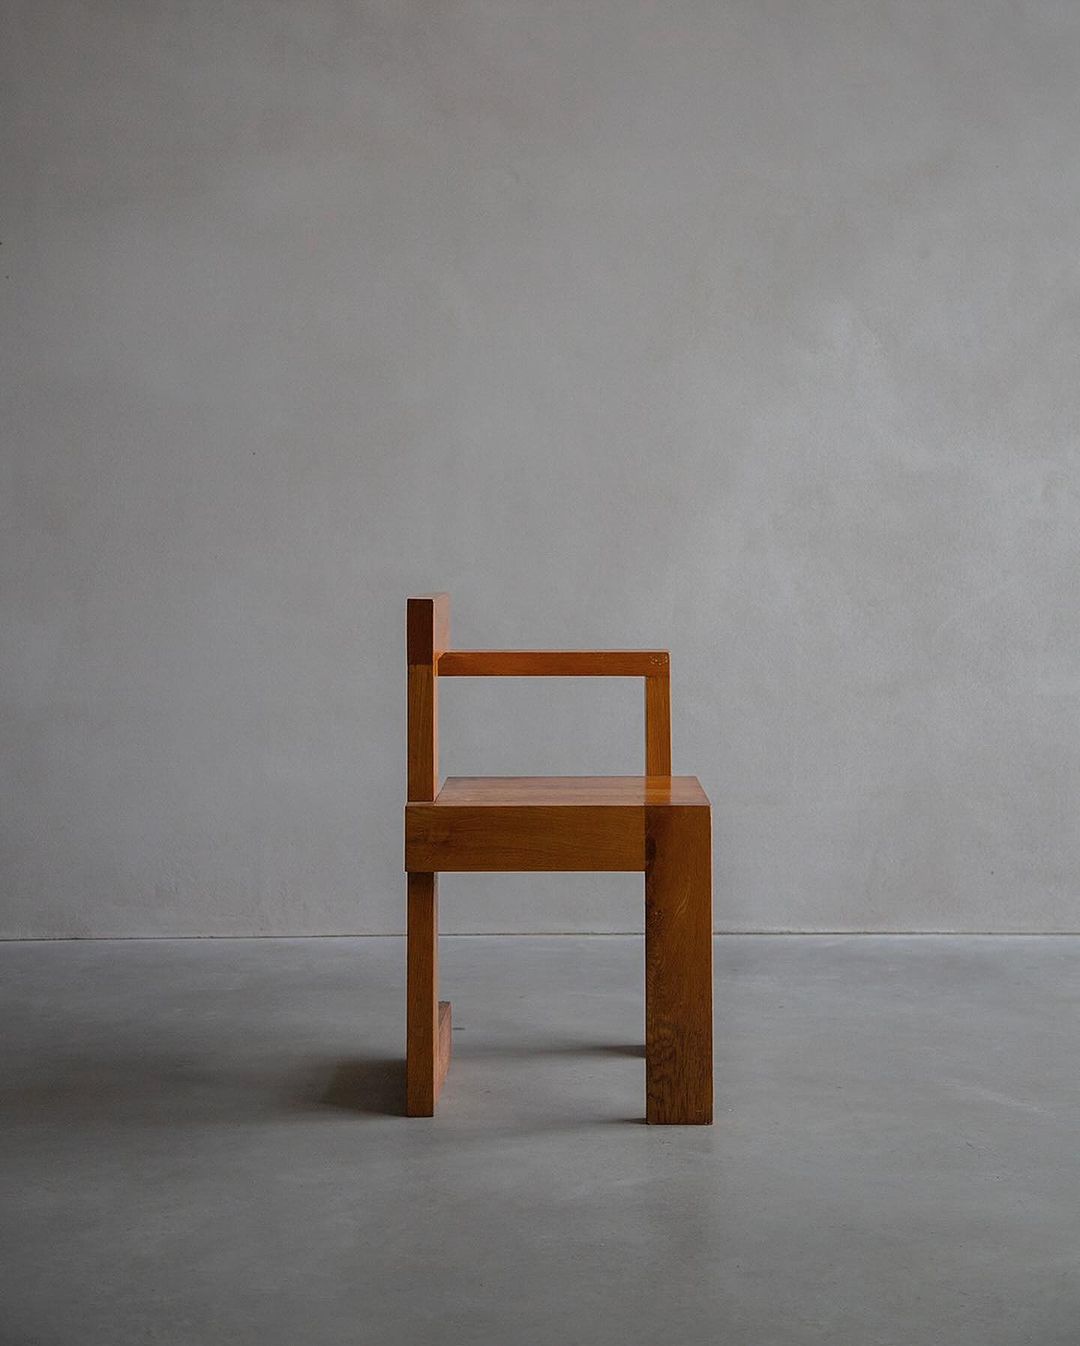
202	1143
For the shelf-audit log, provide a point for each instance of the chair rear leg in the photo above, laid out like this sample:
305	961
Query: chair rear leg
678	966
427	1046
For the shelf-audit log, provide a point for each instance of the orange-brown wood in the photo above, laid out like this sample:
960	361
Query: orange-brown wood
658	725
678	966
427	1027
427	627
568	790
520	837
657	823
427	633
553	663
423	720
554	823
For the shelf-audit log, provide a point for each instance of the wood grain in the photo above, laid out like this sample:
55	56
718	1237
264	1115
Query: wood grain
569	790
658	725
522	837
552	663
526	823
657	823
427	627
427	1025
678	966
423	732
427	1047
427	633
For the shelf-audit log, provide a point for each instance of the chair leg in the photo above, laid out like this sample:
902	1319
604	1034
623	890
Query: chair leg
427	1046
678	966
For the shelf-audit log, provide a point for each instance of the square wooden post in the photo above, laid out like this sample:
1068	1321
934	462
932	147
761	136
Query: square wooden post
427	1029
427	1050
658	723
678	965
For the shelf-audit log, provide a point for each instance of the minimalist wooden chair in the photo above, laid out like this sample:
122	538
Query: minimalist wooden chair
657	823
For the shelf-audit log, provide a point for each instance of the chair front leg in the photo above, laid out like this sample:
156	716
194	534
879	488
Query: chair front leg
427	1046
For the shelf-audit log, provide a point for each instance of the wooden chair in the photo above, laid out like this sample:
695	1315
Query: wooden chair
658	823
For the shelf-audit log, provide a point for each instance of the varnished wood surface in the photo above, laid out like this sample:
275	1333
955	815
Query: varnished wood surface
487	824
552	663
427	1023
427	633
490	824
656	823
658	725
427	627
509	838
678	967
615	791
423	732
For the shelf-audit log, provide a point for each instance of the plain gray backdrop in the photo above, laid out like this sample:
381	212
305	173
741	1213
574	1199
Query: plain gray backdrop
747	329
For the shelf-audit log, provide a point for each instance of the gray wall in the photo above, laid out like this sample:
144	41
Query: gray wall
747	329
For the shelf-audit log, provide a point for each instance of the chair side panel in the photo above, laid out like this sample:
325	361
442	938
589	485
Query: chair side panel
496	838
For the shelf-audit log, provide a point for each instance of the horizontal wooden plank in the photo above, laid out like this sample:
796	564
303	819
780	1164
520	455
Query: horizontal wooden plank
553	663
521	837
625	791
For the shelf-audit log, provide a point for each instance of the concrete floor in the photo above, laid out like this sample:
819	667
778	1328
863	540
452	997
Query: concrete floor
202	1145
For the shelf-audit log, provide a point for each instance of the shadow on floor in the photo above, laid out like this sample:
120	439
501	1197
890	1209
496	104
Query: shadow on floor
364	1086
635	1050
118	1088
121	1088
378	1086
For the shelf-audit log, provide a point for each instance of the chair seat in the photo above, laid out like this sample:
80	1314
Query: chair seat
569	791
575	823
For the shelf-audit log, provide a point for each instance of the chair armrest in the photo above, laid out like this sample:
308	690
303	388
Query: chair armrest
553	664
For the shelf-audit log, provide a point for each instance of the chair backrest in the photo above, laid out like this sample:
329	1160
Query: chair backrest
429	658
